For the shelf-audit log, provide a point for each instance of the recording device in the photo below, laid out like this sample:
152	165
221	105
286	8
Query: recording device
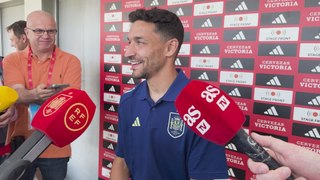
57	86
8	97
59	121
214	116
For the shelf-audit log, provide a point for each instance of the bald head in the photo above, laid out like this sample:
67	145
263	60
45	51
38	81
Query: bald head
39	17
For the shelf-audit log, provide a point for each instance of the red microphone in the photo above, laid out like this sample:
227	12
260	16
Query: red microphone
59	121
214	116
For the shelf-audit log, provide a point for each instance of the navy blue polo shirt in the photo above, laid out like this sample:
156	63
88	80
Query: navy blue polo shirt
157	145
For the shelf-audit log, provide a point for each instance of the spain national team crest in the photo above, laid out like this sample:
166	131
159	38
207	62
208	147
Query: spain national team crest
176	125
55	104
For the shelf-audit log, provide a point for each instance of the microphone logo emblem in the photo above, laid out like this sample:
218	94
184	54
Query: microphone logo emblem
191	118
76	117
210	93
55	104
203	126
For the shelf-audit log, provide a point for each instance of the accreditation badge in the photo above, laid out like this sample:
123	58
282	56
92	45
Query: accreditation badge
32	110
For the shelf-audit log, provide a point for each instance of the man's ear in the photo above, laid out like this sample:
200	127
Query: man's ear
24	37
172	46
26	32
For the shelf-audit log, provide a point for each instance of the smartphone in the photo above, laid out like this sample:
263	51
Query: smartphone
57	86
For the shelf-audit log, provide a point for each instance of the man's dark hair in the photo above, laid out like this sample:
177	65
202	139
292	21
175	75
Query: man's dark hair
167	23
17	28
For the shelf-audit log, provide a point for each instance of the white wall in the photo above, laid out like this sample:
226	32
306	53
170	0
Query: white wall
10	15
79	34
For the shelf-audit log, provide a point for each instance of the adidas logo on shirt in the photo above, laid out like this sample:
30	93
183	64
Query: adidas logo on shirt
136	122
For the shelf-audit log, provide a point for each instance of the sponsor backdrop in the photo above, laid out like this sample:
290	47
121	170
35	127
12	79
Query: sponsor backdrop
263	53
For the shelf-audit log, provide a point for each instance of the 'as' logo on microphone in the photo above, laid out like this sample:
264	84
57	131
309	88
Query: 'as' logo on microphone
203	127
191	118
211	93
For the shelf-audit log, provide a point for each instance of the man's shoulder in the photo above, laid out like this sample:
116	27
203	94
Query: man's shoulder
132	93
14	57
65	54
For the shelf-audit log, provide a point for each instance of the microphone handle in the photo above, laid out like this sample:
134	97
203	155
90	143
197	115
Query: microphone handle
256	152
14	167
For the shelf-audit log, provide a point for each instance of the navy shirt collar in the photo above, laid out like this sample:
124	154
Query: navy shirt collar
178	84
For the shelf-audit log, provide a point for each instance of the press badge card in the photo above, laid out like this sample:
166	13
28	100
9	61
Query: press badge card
33	109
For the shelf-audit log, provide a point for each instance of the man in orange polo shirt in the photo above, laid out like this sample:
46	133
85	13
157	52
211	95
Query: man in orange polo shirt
29	72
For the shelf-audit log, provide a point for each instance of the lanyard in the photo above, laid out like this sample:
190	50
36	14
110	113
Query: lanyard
52	61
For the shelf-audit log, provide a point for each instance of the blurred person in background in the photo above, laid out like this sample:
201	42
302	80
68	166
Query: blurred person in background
17	36
18	40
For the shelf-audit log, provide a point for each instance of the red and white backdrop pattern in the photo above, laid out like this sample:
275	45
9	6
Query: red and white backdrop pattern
263	53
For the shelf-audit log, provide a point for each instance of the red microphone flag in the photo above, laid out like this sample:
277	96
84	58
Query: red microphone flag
60	120
198	100
213	115
65	116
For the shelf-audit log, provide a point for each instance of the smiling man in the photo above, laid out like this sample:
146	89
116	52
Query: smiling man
153	141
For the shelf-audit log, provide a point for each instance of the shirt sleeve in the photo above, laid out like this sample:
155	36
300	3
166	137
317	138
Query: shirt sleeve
120	142
12	70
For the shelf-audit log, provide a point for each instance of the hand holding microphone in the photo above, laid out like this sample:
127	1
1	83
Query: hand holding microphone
59	121
294	158
8	116
8	97
213	115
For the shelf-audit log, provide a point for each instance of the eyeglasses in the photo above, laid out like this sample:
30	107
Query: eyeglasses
40	32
